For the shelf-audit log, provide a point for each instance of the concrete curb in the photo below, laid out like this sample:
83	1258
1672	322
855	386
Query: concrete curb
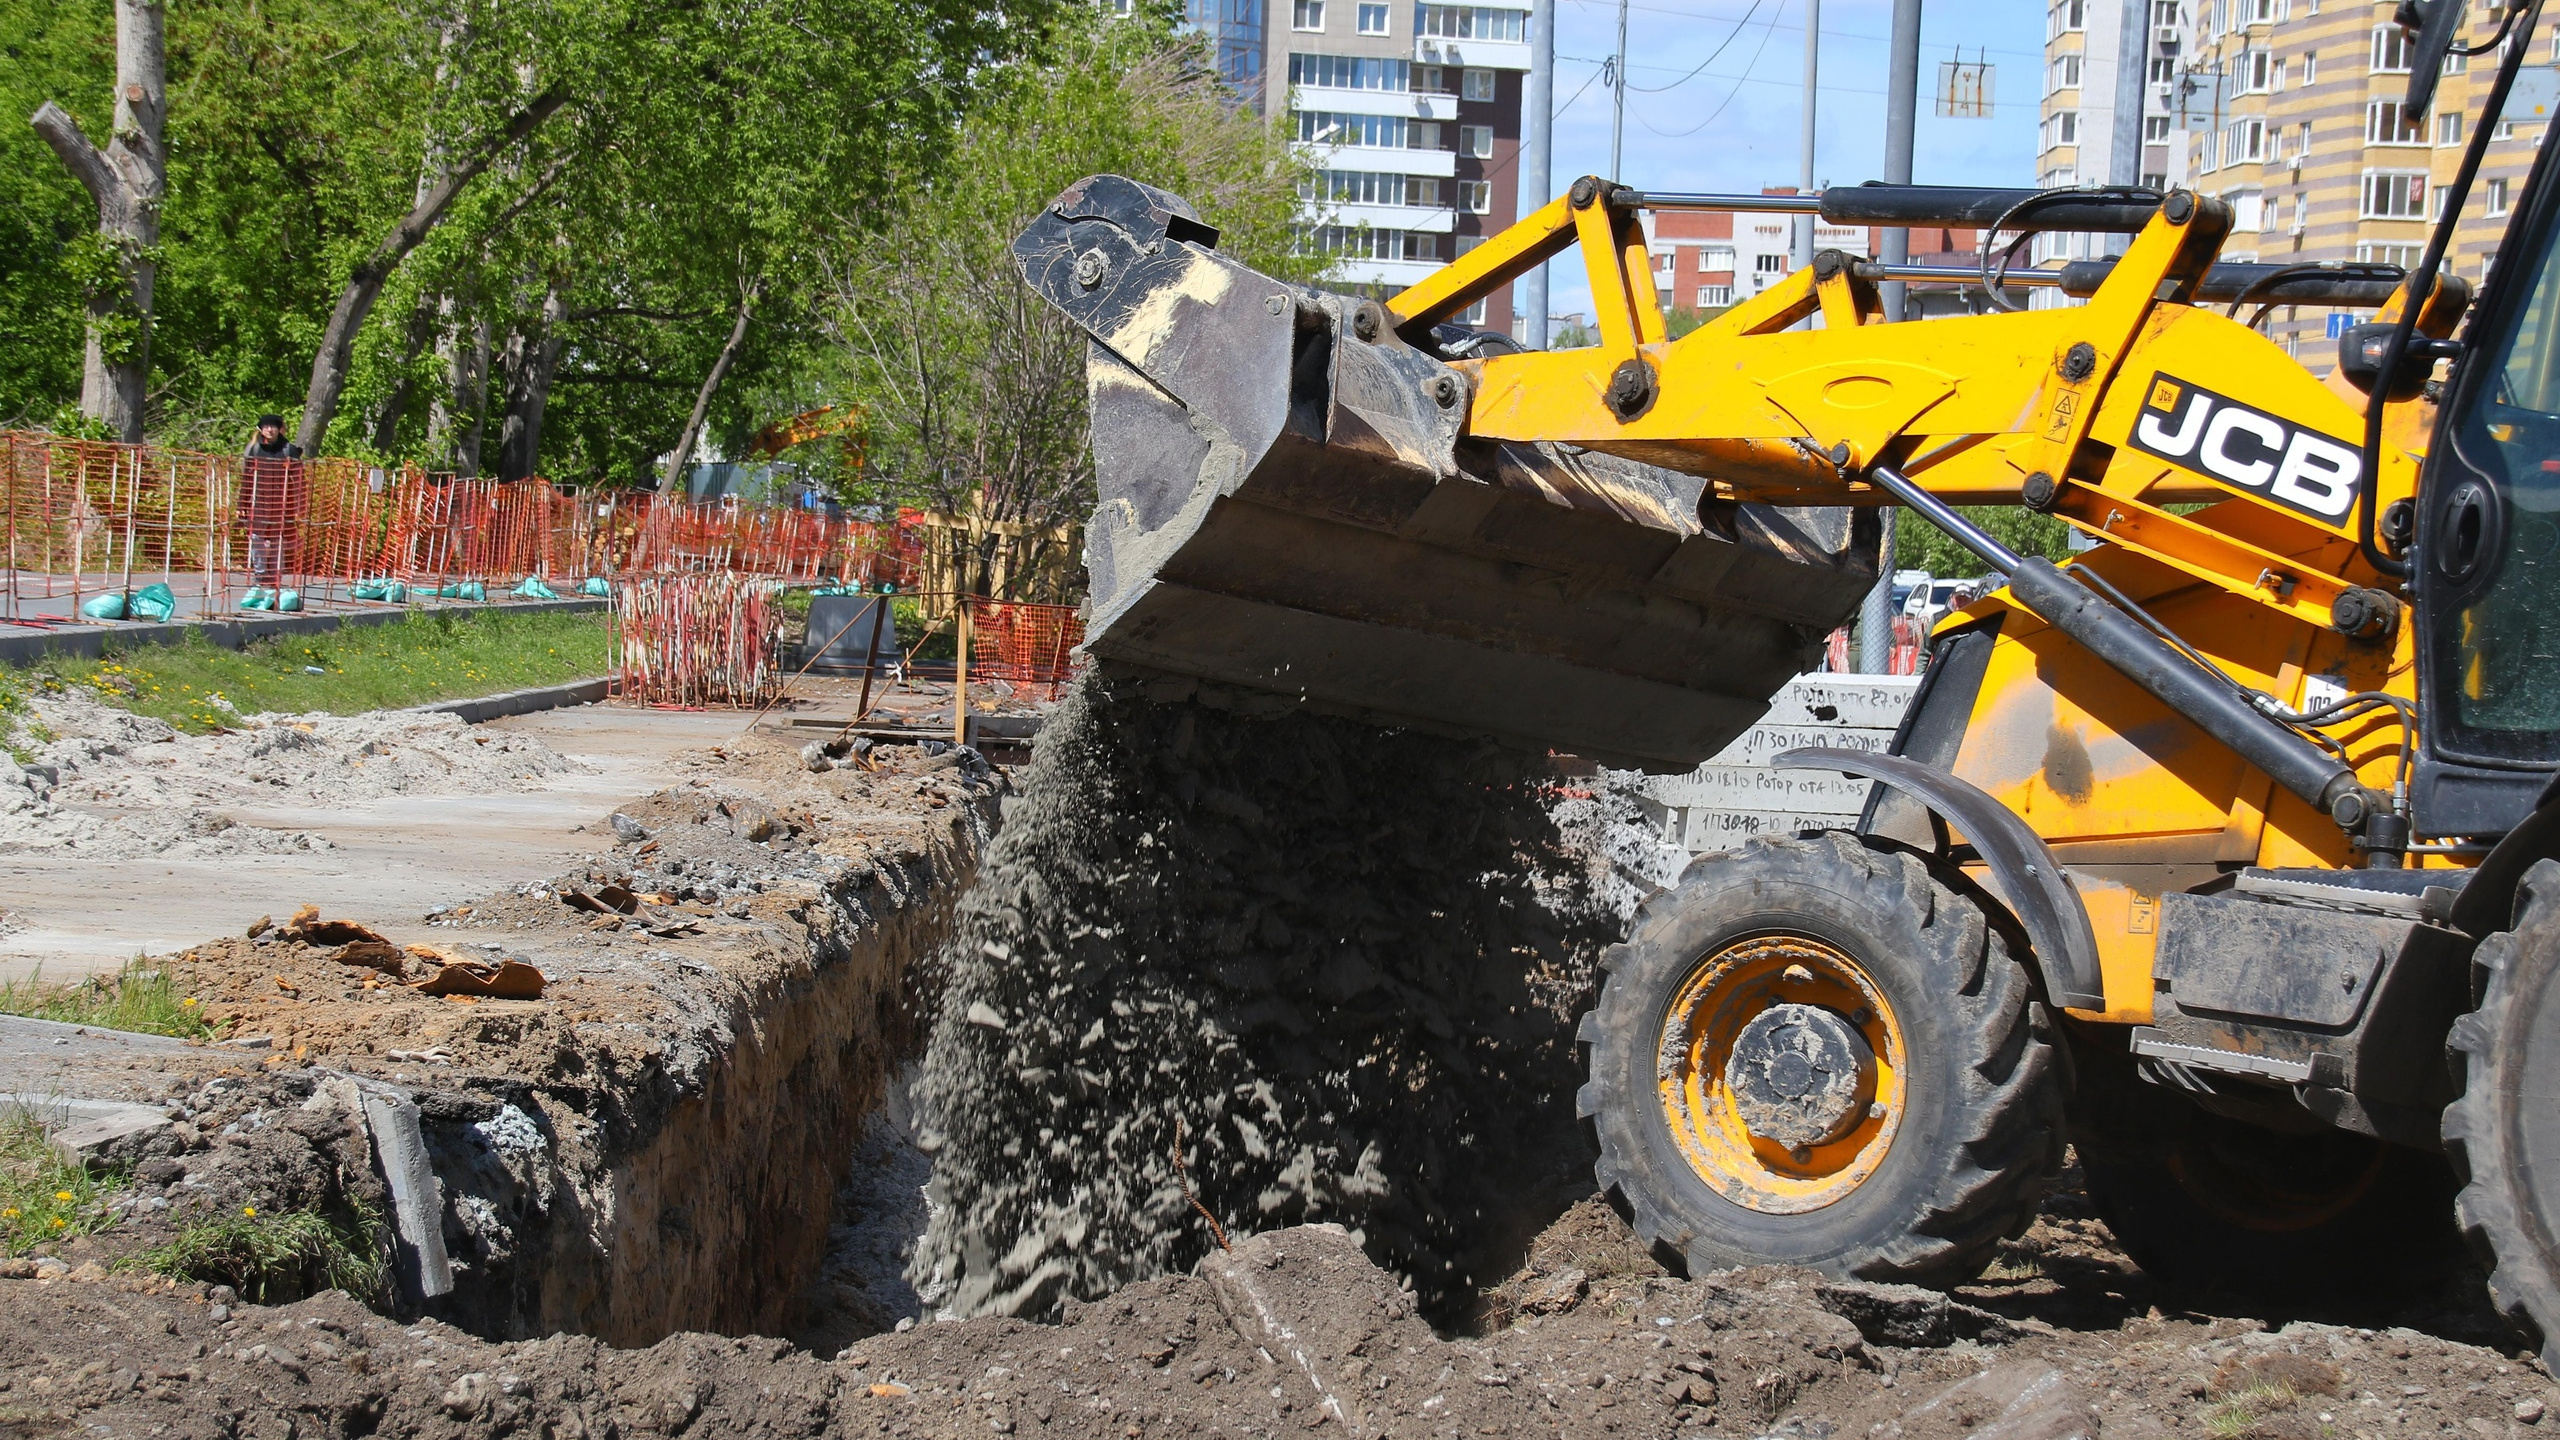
89	642
521	702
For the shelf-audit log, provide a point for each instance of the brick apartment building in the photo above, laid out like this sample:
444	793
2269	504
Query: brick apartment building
1706	260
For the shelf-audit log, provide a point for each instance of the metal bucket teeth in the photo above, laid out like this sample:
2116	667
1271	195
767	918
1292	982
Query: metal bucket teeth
1292	515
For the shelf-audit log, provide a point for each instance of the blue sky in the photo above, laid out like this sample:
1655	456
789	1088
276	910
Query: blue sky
1753	91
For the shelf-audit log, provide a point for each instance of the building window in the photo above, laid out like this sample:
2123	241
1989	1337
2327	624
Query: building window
2449	128
2494	195
1769	263
1713	295
2155	129
1479	84
1423	191
2248	209
1363	187
2164	72
2506	131
1475	196
2253	72
1470	22
2386	123
1368	132
2060	128
1306	15
1350	72
1423	135
2062	74
2403	256
1477	141
2395	195
2065	16
2156	180
2244	141
1373	19
2390	51
2164	14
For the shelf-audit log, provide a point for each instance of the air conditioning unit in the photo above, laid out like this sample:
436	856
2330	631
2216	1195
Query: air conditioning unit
2167	35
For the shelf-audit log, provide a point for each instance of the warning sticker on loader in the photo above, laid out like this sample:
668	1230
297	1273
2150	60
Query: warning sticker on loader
2243	446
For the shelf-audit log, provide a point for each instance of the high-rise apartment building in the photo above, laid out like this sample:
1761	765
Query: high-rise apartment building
2296	120
2290	111
1411	113
2086	47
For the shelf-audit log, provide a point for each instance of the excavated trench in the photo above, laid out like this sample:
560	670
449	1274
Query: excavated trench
1213	971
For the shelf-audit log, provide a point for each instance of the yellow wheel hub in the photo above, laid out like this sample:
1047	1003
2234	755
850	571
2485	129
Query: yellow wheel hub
1781	1073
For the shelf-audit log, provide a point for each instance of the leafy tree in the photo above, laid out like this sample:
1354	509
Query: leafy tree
1919	545
973	387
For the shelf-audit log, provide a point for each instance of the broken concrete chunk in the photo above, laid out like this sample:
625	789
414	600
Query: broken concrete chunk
628	828
2018	1399
92	1136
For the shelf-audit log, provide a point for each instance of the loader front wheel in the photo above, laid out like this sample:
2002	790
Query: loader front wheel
1813	1053
2503	1133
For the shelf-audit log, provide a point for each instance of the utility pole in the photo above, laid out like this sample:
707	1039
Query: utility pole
1901	122
2133	54
1804	167
1537	149
1618	100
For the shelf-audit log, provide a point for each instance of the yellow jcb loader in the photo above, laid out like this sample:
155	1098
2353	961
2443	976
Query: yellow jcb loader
2223	853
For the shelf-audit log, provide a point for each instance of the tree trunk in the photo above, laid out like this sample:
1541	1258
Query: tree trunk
386	422
523	456
683	455
470	386
364	286
127	180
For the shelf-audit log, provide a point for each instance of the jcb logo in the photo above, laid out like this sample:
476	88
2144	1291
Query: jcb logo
2218	436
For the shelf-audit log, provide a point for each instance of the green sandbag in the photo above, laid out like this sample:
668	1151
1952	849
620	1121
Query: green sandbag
534	589
258	599
395	592
472	590
104	607
596	585
288	600
153	602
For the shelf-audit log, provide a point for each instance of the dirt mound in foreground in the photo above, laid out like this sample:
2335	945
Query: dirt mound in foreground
1338	965
1295	1331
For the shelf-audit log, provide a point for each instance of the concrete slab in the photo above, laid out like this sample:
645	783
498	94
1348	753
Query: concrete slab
393	860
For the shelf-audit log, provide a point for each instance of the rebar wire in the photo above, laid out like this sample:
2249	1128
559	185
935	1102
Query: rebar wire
1183	1175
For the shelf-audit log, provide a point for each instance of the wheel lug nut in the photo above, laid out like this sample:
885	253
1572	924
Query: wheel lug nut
1875	1110
1861	1015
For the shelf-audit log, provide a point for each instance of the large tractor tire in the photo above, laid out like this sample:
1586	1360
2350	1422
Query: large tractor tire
2208	1200
2503	1133
1813	1053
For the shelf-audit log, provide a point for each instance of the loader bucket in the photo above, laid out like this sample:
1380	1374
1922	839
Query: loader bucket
1291	515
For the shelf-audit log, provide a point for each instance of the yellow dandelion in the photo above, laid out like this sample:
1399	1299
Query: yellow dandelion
65	1196
249	1210
9	1214
60	1224
190	1000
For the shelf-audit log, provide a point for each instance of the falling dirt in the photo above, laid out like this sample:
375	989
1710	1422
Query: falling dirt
1337	966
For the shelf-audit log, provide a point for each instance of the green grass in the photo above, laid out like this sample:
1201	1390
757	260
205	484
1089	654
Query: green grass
137	997
41	1197
431	655
273	1257
2236	1416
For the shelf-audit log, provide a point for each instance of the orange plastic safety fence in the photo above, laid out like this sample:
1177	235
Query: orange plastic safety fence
1023	643
704	639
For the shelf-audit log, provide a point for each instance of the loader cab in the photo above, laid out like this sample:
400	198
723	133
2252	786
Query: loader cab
2486	564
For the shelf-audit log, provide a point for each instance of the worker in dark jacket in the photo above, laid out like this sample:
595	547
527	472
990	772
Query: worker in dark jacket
272	496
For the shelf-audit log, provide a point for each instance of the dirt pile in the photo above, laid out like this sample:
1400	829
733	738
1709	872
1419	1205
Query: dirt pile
1339	965
1295	1331
102	779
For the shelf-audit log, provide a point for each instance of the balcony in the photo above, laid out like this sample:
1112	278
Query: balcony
1433	219
1483	54
1393	274
1442	163
1377	102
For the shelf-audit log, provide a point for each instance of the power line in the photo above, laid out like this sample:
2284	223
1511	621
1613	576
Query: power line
1737	84
2035	55
1790	84
1703	64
